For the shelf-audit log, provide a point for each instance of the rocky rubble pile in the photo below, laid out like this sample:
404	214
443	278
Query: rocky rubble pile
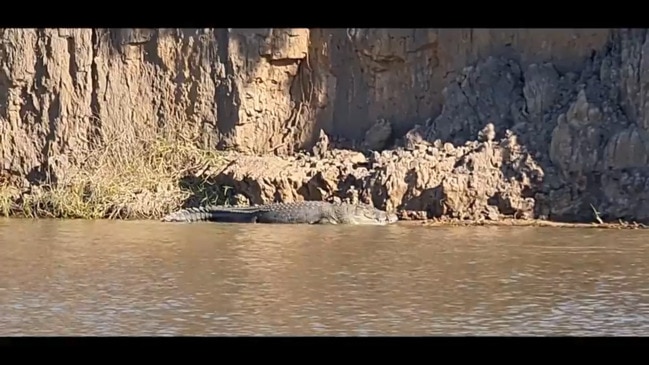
481	179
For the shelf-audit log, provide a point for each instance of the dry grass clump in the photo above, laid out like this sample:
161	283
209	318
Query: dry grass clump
126	179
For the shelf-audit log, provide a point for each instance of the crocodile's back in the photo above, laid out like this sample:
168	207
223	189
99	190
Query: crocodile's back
296	212
309	212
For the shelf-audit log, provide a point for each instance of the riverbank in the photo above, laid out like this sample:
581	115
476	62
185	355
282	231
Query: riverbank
424	183
154	177
138	128
534	223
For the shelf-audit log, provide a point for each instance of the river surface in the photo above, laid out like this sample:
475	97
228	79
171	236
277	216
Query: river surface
151	278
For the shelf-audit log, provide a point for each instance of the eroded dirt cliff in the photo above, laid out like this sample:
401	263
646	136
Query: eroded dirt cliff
435	123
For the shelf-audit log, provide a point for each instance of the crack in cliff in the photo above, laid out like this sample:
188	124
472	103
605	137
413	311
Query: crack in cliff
227	98
468	101
301	96
641	96
152	56
43	172
217	83
5	84
94	131
72	62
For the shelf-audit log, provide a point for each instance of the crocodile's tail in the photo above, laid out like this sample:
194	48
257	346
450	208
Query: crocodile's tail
208	214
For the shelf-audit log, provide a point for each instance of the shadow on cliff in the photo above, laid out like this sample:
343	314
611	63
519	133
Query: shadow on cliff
553	130
330	92
331	68
205	192
497	110
220	189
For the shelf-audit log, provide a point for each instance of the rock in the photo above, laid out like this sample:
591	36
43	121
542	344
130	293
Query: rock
488	133
321	148
377	136
628	148
415	138
468	182
577	137
240	200
541	90
489	92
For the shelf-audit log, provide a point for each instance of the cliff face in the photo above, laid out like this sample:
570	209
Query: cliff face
473	123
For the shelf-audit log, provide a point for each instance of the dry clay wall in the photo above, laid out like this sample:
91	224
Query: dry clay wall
460	123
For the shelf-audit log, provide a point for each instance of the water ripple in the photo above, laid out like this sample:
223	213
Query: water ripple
148	278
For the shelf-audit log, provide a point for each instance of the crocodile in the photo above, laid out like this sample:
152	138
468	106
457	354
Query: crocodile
305	212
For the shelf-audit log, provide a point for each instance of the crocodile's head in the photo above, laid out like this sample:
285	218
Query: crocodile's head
367	215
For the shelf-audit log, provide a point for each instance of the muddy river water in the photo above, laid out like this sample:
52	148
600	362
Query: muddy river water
151	278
